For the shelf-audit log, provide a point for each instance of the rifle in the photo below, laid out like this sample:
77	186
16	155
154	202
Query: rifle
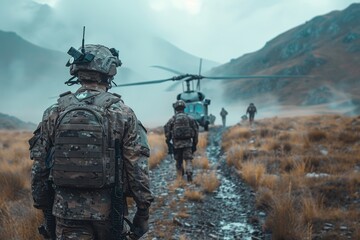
117	197
48	228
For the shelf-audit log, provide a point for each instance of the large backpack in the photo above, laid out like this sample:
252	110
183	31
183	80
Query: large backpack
182	128
252	109
83	156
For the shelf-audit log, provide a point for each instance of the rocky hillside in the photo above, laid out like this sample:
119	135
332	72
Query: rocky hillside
12	123
326	47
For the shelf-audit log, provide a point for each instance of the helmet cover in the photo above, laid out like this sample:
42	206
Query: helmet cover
179	104
105	61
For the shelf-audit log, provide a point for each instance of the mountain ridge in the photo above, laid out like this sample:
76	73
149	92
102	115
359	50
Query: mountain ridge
326	47
8	122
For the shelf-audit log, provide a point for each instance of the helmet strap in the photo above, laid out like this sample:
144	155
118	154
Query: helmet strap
71	82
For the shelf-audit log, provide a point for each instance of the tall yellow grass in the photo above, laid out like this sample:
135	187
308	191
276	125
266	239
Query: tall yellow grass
208	181
18	218
288	171
158	149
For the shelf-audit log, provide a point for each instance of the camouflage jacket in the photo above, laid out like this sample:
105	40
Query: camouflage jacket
251	109
223	113
181	143
80	204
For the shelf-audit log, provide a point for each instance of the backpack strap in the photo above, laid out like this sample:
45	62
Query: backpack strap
106	99
66	99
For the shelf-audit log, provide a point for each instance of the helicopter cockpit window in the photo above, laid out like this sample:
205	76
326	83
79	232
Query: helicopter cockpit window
194	108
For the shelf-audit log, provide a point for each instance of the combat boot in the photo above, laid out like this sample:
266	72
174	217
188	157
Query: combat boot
180	172
189	176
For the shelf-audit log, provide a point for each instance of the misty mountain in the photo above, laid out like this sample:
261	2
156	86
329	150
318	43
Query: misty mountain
326	47
12	123
33	76
24	62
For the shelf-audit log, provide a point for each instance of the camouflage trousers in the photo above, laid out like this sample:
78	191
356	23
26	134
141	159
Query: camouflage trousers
82	229
181	155
251	117
223	121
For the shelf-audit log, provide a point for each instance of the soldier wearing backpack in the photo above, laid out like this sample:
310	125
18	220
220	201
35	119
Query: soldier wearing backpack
181	133
251	110
223	114
90	152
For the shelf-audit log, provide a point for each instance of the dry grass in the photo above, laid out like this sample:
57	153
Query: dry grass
201	162
193	195
285	221
288	170
236	136
202	142
208	181
235	156
253	173
316	135
158	149
18	218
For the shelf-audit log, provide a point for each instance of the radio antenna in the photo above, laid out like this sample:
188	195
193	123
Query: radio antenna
83	40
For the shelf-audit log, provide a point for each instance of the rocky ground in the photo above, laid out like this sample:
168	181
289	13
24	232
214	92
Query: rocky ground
227	213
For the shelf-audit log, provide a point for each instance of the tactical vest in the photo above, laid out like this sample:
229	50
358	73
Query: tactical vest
83	156
182	128
252	109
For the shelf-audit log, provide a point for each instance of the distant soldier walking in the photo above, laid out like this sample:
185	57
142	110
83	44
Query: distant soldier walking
223	114
90	152
251	110
212	119
181	133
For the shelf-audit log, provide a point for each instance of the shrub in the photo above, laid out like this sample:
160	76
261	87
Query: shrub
208	181
316	135
194	195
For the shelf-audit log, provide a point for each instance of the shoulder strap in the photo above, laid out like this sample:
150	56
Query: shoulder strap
67	99
106	99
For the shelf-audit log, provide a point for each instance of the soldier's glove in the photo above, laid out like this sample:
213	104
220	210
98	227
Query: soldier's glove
140	222
193	148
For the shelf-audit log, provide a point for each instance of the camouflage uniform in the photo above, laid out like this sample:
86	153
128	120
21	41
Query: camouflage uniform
251	110
223	114
84	214
183	148
212	119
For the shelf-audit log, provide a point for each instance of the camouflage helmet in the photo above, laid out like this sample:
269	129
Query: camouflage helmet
104	61
179	104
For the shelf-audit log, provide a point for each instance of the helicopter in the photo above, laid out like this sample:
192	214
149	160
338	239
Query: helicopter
197	105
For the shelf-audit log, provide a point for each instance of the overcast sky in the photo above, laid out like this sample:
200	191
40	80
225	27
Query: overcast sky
217	30
214	29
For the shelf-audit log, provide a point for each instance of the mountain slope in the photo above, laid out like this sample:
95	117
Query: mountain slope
20	58
327	47
33	75
12	123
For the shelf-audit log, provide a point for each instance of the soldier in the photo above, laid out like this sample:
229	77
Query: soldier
181	133
251	110
212	119
223	114
87	146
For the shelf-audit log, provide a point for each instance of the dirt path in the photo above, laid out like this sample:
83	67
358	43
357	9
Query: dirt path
227	213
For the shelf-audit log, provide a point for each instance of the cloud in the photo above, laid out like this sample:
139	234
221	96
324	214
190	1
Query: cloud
215	29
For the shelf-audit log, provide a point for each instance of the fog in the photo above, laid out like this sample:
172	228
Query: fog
216	30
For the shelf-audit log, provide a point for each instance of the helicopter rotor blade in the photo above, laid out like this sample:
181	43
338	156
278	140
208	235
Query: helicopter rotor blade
200	66
255	76
168	69
198	81
145	83
173	86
